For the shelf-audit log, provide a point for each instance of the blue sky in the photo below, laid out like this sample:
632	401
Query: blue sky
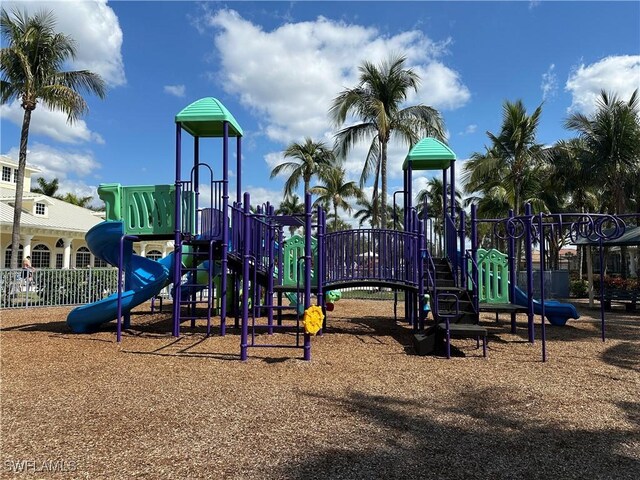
277	65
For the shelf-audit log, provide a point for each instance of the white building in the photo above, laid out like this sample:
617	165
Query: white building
52	231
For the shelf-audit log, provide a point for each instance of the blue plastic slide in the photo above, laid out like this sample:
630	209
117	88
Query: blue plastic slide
148	278
556	312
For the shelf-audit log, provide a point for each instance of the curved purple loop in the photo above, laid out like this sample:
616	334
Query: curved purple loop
583	227
513	227
616	224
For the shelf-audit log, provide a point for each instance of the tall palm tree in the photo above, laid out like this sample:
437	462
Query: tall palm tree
309	158
31	63
376	101
611	139
432	197
291	205
367	214
47	188
512	159
336	192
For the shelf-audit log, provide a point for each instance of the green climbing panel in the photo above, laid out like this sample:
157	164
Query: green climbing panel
147	209
493	276
292	251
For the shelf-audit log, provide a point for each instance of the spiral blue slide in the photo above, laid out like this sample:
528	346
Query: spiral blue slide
147	279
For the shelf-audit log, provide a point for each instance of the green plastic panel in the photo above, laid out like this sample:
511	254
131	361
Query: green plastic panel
429	154
147	209
493	276
205	118
293	250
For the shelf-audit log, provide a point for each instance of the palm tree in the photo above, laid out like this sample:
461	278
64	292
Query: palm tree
336	191
73	199
611	144
291	205
309	157
512	159
368	210
31	64
376	101
47	188
432	197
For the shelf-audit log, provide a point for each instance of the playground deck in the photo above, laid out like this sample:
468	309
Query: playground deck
161	407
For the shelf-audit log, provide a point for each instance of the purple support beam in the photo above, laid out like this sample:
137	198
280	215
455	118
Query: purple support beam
474	255
512	266
238	169
196	176
463	249
444	212
244	334
422	251
177	248
452	171
320	299
271	240
528	254
601	260
225	228
542	292
307	268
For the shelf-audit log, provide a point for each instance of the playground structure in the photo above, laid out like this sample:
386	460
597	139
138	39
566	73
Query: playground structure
240	258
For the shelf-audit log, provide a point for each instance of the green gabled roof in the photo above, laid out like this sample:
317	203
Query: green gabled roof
429	154
205	117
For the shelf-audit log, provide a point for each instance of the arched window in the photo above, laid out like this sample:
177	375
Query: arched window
83	257
154	255
7	256
60	253
40	256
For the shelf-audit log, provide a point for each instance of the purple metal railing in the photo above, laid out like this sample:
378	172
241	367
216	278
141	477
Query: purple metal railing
371	255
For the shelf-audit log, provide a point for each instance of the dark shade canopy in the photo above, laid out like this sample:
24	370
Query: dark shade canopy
630	238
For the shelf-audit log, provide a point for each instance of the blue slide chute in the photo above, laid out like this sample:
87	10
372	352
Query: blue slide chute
148	277
556	312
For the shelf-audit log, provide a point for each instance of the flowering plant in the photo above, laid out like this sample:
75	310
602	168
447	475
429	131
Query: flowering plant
312	320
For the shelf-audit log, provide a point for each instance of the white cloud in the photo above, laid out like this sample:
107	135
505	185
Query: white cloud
96	31
549	83
51	123
71	168
289	76
469	129
260	195
176	90
617	74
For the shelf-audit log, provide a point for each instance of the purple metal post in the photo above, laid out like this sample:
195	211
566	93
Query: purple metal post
245	277
512	267
177	245
463	263
452	171
528	254
196	174
422	251
444	212
307	268
238	169
271	269
225	227
320	267
542	293
474	256
601	259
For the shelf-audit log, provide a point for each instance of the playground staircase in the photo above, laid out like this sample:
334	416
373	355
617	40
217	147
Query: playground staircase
448	301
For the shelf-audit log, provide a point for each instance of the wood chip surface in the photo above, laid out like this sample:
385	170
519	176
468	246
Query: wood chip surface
365	407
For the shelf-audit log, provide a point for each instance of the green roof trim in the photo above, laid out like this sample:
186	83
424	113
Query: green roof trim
429	154
205	117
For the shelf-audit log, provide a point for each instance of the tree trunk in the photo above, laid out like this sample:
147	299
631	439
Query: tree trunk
335	218
383	175
17	206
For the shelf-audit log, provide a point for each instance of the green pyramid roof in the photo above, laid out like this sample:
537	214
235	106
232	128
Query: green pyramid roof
429	154
205	117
